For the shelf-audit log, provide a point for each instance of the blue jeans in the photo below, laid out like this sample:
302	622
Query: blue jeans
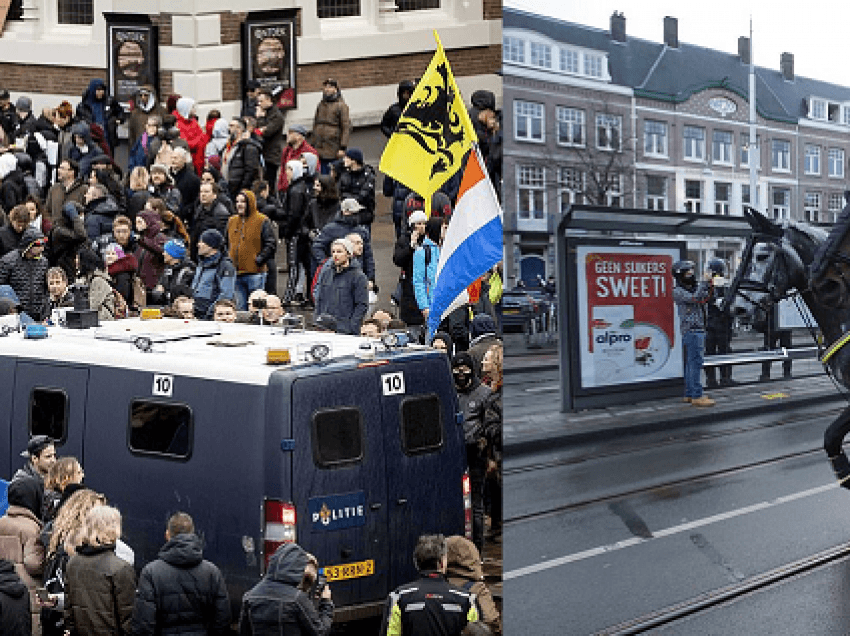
694	342
245	284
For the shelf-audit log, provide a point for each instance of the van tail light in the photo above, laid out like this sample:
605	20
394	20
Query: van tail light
467	506
279	527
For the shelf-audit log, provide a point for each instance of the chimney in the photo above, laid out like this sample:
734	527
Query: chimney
786	65
618	27
671	32
744	49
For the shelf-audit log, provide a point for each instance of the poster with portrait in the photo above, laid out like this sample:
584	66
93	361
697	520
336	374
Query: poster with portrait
133	55
268	51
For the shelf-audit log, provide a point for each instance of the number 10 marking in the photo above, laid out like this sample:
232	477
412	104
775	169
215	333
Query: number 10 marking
393	383
163	385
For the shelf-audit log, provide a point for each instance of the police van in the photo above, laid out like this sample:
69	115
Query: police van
352	448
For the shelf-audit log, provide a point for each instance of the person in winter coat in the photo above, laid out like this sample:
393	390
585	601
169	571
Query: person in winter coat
492	375
161	186
331	125
151	244
172	226
358	182
191	131
464	571
405	247
81	149
398	193
138	193
270	123
483	336
295	147
344	291
19	531
25	270
99	109
345	223
176	279
295	230
15	616
425	261
101	210
279	604
13	188
122	268
390	119
92	272
220	134
13	231
145	106
185	180
215	276
67	237
100	586
251	245
323	206
68	187
180	592
209	213
241	160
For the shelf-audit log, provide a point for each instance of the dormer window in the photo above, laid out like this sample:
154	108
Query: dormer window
818	109
541	55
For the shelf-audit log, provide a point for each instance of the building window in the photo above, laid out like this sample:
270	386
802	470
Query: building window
531	192
655	138
781	203
76	11
528	121
541	55
417	5
513	50
811	206
592	65
656	193
812	160
571	191
337	8
609	132
836	202
722	196
845	115
748	150
781	155
693	196
614	191
836	162
818	110
694	142
570	126
721	147
569	61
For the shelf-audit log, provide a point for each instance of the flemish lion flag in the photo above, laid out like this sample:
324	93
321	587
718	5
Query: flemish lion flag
433	134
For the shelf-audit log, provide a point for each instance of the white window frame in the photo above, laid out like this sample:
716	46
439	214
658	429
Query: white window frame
817	109
655	141
540	54
513	49
691	204
836	162
723	207
693	146
614	193
723	147
780	155
653	200
811	206
607	122
530	111
835	204
569	61
531	183
845	115
811	160
782	210
568	119
567	193
593	65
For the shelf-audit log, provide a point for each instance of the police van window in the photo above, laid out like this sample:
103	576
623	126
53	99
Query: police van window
337	437
161	429
49	413
421	424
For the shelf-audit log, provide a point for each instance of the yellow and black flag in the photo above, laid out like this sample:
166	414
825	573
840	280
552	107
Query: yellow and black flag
434	132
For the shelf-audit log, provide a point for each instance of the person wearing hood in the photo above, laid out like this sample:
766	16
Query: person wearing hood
241	159
191	131
252	243
279	603
145	106
15	616
68	187
152	242
390	119
342	290
295	228
216	145
97	108
483	336
464	571
100	212
181	592
270	123
331	125
67	237
25	271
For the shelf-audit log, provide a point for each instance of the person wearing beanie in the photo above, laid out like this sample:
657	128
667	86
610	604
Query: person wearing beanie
358	182
331	125
342	290
406	244
252	243
215	276
270	122
191	131
176	279
25	121
294	148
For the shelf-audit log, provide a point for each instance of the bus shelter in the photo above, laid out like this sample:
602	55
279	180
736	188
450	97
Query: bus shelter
620	341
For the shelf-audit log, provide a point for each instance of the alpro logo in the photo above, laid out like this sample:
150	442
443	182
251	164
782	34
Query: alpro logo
334	512
611	338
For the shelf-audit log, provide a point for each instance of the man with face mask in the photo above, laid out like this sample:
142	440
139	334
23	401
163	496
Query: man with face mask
691	299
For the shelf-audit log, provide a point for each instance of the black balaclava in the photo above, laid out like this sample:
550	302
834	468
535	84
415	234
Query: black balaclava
464	381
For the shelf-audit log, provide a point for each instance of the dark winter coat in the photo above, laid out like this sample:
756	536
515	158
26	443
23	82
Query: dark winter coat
149	253
189	184
273	138
170	195
360	185
83	158
66	239
295	205
344	295
27	276
100	214
276	607
321	212
243	166
59	195
9	239
100	592
136	203
398	192
331	127
13	190
123	273
176	280
214	217
15	617
215	279
403	257
342	225
181	593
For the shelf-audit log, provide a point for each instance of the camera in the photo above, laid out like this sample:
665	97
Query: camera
259	303
320	585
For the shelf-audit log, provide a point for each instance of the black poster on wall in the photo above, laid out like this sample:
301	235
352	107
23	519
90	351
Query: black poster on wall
132	55
269	54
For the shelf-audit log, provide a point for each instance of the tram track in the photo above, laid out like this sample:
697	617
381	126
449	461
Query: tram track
704	602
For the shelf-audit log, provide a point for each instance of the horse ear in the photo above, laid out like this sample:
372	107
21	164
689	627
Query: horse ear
760	223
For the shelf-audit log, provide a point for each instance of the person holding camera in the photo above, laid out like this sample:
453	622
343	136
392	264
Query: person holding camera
180	592
290	599
718	333
691	298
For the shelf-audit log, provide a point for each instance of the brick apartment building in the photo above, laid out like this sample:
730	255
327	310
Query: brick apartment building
594	116
52	48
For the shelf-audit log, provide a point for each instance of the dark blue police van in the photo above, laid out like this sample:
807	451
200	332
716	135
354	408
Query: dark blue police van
353	456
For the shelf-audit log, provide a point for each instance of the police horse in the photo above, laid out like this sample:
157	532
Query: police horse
781	260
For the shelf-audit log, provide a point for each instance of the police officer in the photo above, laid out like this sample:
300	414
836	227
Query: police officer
718	333
691	299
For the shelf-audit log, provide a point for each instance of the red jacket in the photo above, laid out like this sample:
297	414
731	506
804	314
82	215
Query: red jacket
290	153
191	131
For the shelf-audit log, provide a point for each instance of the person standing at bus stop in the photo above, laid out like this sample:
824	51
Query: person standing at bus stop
691	298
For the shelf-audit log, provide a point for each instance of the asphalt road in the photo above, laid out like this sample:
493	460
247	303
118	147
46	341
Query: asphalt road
598	535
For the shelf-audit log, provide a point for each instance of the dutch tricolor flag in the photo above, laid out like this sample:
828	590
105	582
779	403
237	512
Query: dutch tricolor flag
473	242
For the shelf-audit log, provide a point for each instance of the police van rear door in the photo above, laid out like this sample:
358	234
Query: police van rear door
49	399
339	482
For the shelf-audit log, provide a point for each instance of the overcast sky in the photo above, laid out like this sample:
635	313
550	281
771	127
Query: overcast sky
817	34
